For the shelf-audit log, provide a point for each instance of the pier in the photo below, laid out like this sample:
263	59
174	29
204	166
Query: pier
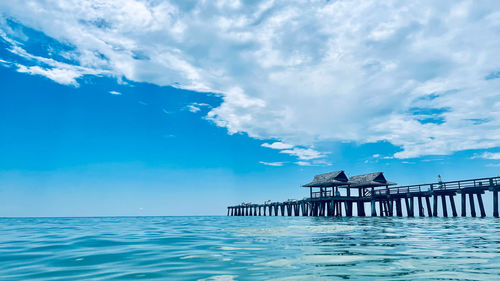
334	195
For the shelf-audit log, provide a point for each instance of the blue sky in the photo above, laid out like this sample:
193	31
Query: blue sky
170	108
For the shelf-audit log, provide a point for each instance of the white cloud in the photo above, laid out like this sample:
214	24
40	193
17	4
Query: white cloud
303	153
277	145
376	155
488	155
115	93
275	164
410	73
313	163
59	75
195	107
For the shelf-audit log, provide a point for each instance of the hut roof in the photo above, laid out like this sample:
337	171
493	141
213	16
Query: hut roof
328	179
369	180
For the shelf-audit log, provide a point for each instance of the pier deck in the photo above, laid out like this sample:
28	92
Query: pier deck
431	200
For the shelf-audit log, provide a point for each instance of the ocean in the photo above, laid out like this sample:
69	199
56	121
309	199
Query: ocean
249	248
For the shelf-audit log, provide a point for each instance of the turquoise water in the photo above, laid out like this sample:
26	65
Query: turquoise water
249	248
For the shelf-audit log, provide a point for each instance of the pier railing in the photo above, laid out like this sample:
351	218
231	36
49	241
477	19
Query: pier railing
320	194
450	185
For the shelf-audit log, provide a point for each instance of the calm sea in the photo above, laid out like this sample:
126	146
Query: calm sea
249	248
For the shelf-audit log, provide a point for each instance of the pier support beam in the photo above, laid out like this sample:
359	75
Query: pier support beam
443	202
390	207
361	208
435	206
481	205
409	206
452	203
412	207
472	207
463	207
399	209
420	207
374	209
331	208
428	205
495	203
348	208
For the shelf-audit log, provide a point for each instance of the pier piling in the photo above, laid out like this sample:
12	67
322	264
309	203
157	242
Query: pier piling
481	205
495	203
399	209
452	203
435	206
463	207
443	202
420	207
472	207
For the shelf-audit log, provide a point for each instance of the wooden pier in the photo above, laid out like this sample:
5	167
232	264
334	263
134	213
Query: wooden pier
335	195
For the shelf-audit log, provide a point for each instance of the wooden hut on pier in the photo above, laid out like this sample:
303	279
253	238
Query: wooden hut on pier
328	198
327	184
365	185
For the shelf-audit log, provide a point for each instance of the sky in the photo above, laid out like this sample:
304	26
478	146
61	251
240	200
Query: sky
134	107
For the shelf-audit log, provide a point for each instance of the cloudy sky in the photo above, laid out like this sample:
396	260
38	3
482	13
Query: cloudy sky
183	107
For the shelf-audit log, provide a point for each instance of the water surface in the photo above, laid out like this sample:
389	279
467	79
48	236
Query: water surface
249	248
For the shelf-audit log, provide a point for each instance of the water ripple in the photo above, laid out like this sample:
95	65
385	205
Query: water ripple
249	248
